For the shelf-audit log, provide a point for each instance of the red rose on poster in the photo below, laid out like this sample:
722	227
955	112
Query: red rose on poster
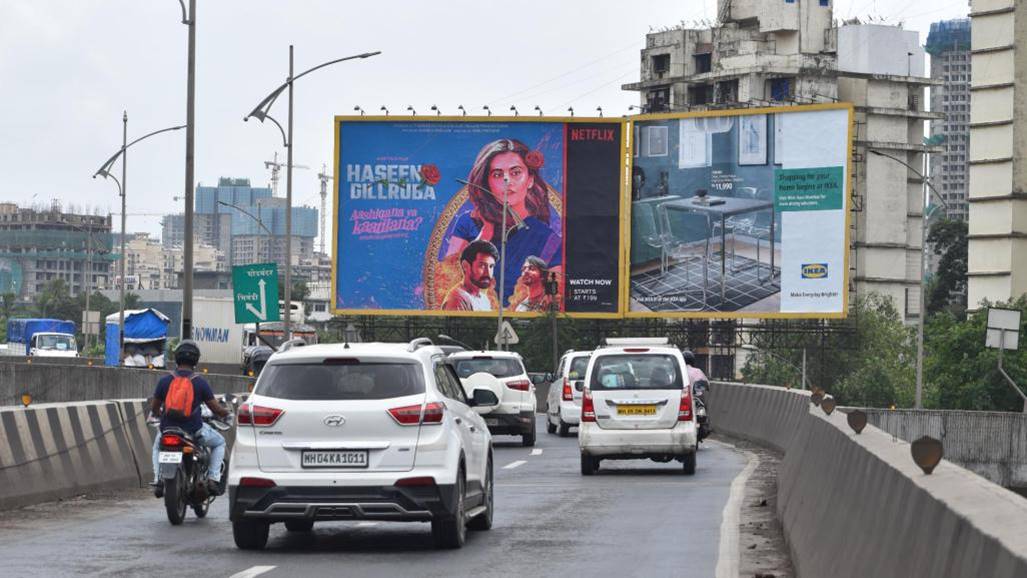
430	174
534	160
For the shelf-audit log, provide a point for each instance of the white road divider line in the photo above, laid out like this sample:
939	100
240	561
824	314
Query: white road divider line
366	524
513	465
728	555
536	452
254	571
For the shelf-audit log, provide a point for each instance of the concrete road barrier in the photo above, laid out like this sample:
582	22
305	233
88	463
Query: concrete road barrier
856	505
56	451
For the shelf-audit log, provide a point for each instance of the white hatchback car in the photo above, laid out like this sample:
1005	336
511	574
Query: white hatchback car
564	398
363	431
637	404
503	373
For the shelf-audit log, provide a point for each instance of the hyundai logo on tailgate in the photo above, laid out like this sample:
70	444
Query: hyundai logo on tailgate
814	271
334	420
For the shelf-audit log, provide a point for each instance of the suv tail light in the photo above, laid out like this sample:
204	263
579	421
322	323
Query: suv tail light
170	440
588	410
685	409
520	385
568	393
258	415
412	414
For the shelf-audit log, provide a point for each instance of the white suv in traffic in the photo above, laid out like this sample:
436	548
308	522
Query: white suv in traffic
564	398
363	431
503	373
637	404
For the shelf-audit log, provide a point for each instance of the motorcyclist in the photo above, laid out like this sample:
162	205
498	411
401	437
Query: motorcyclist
187	355
695	375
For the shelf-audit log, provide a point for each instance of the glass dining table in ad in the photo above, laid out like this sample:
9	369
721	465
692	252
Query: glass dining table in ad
724	207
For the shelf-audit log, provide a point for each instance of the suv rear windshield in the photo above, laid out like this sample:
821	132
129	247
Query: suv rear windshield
316	381
578	367
497	367
636	372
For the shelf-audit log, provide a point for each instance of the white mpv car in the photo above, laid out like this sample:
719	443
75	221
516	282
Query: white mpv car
564	398
637	404
503	373
362	431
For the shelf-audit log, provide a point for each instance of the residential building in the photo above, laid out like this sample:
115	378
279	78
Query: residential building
38	246
997	250
152	266
949	46
771	52
208	229
317	269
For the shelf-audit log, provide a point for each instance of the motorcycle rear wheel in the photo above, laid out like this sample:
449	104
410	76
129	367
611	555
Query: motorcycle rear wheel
201	508
175	498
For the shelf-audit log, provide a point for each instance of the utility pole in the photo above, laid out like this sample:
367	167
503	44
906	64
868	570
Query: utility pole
502	265
190	129
89	276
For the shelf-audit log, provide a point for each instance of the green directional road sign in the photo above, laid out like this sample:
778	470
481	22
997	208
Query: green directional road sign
256	293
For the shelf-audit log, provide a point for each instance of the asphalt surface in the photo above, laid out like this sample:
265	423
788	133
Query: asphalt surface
634	518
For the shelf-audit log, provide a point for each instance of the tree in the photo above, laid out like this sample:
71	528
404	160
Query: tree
55	301
948	288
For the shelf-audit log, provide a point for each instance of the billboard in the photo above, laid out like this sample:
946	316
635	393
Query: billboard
419	215
740	213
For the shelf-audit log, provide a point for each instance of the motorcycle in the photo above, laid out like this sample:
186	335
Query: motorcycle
699	394
183	463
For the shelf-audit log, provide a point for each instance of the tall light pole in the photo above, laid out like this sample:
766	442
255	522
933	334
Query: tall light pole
918	401
104	171
190	123
260	112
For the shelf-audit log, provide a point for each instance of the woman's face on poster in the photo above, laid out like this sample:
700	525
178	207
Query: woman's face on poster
508	174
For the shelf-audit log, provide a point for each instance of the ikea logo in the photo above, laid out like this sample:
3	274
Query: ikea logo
814	271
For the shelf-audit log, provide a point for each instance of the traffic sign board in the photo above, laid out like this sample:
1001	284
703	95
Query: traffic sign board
255	289
507	335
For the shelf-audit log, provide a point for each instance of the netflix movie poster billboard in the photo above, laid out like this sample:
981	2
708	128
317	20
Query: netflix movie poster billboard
419	216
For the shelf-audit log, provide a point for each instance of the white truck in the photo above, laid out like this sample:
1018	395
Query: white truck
40	338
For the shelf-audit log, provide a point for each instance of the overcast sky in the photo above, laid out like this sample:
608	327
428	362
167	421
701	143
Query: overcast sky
70	67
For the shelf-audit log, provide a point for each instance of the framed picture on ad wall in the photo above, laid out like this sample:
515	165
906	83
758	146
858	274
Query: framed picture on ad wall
752	140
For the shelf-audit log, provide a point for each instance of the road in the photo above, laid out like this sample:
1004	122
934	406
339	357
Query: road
635	518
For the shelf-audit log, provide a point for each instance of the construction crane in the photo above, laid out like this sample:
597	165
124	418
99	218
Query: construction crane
325	178
275	167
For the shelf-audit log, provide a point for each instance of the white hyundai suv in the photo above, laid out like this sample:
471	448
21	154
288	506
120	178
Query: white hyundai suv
503	373
637	404
564	398
363	431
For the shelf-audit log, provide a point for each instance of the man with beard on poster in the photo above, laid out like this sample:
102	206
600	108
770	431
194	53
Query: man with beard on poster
530	294
478	262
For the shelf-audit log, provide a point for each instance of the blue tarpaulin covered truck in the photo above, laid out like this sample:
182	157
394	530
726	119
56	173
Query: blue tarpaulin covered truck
146	337
41	337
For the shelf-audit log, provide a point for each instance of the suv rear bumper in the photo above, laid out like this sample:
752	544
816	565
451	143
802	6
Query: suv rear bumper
623	443
570	412
323	503
510	423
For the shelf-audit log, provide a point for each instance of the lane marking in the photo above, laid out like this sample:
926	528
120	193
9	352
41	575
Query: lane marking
366	524
513	465
728	554
536	452
254	571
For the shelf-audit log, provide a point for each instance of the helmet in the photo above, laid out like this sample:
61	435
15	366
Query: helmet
187	353
689	357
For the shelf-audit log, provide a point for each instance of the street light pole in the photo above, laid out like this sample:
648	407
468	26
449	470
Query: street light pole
502	266
121	286
260	112
190	128
288	214
927	186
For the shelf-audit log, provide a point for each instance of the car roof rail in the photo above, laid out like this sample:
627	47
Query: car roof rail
418	343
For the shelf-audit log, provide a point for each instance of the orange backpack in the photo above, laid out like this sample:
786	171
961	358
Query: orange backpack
178	403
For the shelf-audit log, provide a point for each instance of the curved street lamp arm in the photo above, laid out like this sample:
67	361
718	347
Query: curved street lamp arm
107	175
926	180
260	111
250	215
285	140
185	17
105	168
